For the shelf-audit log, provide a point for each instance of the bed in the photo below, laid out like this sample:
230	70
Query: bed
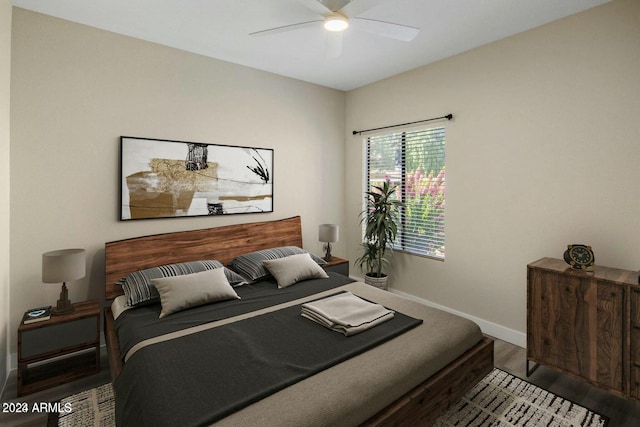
407	377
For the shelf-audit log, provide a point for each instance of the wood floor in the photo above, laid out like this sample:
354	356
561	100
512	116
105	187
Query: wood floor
622	412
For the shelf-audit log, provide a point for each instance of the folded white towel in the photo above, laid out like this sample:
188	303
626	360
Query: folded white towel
346	313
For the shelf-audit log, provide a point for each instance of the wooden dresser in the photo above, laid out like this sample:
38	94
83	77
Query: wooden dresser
585	324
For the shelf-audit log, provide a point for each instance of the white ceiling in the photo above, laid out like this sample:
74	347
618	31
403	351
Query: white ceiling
220	29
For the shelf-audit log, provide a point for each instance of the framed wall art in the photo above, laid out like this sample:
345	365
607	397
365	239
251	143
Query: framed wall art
167	179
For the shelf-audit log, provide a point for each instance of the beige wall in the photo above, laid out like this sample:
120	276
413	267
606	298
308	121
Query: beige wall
544	150
5	84
76	90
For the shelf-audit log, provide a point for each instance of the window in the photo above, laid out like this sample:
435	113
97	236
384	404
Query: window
414	161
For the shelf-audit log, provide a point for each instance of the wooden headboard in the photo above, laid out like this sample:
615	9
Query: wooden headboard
222	243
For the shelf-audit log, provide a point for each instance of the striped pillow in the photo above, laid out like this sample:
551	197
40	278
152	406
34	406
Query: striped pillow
139	290
250	265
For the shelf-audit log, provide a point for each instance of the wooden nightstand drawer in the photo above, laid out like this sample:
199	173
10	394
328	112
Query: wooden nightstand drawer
60	349
43	341
338	265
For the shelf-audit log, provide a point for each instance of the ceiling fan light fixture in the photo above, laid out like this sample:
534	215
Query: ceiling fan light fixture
336	22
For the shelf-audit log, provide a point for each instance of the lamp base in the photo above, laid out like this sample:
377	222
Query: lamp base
64	304
64	307
327	256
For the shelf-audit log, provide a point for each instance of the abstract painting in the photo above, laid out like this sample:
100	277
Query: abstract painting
166	179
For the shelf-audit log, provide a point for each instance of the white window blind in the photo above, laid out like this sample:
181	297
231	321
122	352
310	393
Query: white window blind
415	162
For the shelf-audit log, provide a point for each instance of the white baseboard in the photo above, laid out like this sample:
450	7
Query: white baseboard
489	328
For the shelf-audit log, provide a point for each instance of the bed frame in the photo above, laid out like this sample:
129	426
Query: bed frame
422	405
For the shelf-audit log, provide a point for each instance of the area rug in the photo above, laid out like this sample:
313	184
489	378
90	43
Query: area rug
500	399
91	408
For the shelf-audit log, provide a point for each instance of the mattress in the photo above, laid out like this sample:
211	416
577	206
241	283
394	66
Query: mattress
356	389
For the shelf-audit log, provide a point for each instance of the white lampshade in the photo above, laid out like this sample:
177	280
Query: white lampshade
328	233
63	265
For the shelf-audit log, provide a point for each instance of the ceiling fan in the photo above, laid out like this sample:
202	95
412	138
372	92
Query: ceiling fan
338	15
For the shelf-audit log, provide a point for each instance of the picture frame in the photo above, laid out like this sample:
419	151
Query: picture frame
162	178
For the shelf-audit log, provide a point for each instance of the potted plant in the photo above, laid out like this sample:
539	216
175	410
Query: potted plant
380	219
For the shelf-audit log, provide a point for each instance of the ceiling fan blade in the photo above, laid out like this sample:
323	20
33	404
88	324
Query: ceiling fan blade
386	29
333	44
284	28
315	6
356	7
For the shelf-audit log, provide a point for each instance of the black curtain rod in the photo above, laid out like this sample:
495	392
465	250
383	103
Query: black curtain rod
448	117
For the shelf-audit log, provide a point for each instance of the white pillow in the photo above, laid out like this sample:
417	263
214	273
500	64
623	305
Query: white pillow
293	269
182	292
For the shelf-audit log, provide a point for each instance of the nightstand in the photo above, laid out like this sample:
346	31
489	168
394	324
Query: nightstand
338	265
59	350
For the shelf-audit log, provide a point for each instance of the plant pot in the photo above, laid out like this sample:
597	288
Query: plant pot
378	282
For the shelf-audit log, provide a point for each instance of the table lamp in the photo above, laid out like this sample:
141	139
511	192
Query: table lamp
63	266
328	233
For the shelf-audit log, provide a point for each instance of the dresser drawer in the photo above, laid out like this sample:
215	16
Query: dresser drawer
635	382
635	307
635	342
635	345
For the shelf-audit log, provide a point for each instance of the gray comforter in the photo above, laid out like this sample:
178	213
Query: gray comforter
345	393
